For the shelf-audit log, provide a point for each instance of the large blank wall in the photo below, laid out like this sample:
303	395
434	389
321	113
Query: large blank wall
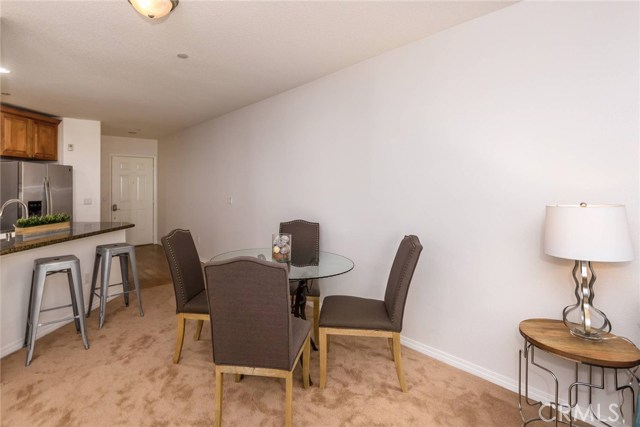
462	139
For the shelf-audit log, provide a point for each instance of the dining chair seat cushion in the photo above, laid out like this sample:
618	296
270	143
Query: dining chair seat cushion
198	304
348	312
313	290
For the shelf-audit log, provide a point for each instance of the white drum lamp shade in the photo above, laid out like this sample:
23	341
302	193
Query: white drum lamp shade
588	233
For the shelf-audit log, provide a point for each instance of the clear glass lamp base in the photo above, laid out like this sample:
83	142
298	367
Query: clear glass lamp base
578	331
583	310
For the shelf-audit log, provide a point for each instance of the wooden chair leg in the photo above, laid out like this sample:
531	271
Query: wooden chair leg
196	337
180	340
390	342
289	399
306	357
323	357
316	319
397	357
218	404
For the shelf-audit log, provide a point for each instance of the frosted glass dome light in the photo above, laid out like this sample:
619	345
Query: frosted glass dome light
154	9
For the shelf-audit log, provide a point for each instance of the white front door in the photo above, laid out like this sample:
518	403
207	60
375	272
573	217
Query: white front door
132	196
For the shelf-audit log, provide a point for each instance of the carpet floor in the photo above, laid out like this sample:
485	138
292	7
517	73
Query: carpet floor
127	378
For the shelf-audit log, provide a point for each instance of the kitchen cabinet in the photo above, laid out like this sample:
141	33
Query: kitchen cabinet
28	135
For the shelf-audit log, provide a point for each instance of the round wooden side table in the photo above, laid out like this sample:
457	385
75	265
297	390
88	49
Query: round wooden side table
553	337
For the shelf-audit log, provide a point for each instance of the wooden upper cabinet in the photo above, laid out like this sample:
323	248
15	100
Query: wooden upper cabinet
28	135
45	141
15	135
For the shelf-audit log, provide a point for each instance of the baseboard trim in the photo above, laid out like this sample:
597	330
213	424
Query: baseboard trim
44	330
486	374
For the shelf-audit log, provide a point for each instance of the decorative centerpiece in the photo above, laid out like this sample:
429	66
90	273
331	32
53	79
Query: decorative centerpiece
40	225
281	247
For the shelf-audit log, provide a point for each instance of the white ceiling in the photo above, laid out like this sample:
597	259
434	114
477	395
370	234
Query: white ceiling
100	60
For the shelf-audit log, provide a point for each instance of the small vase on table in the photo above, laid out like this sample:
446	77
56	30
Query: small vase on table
281	247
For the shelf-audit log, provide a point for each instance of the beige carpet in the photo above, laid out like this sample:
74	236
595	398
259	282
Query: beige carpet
126	378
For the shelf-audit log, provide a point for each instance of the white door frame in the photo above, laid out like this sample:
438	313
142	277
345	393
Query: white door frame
154	229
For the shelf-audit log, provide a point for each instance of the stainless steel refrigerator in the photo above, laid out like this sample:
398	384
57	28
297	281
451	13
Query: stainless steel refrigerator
46	188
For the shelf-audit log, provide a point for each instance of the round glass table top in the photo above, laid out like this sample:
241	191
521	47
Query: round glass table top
328	264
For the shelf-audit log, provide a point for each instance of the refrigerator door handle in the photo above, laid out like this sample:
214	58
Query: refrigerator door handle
48	198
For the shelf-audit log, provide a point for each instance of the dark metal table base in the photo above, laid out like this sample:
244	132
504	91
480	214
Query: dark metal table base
299	305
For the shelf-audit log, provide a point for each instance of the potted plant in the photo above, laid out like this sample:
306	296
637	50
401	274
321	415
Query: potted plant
43	224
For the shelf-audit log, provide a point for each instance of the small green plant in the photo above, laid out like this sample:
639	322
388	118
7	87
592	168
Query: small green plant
32	221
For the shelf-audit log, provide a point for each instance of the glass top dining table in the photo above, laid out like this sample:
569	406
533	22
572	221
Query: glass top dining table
328	265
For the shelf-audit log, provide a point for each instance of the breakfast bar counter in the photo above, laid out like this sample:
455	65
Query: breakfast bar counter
78	230
16	266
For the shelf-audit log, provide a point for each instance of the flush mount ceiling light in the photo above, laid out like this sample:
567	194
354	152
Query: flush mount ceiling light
154	9
4	70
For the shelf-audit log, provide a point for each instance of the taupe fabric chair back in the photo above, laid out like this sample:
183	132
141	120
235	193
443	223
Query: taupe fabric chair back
245	330
185	266
305	235
400	277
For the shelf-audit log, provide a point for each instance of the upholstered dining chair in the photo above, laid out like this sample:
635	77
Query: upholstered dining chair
305	250
349	315
188	283
255	336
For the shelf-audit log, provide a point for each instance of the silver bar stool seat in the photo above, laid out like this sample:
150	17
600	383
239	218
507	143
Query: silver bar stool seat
104	253
42	268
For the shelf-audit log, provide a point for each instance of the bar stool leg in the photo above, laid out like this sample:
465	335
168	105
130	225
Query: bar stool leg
26	334
77	299
124	272
104	288
74	303
34	315
94	280
134	269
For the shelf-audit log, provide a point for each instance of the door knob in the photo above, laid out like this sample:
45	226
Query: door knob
114	207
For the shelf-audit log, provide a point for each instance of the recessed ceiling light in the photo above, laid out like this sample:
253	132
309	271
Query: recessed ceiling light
4	70
183	56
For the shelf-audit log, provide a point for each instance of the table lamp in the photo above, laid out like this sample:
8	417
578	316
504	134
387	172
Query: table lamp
586	233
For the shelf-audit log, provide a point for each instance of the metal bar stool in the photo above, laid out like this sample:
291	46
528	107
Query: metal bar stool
42	268
104	254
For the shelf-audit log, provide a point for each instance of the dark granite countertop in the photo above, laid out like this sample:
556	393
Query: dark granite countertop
78	230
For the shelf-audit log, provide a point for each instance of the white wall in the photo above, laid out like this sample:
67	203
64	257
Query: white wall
85	159
462	139
120	146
